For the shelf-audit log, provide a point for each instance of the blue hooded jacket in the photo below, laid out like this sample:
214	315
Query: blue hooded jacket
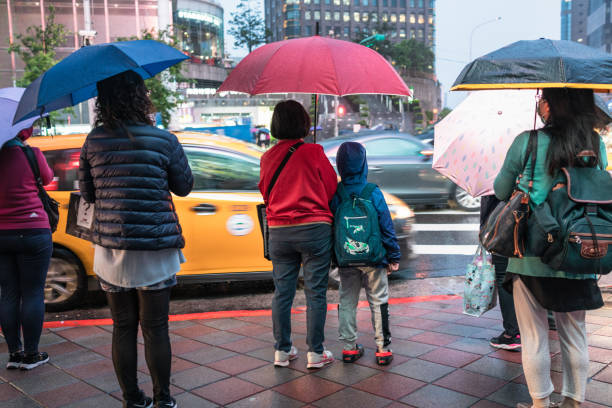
353	168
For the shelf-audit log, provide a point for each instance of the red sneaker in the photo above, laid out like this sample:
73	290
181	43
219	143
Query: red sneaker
350	356
384	357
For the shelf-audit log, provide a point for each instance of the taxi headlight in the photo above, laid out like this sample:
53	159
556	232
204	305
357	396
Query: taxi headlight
400	211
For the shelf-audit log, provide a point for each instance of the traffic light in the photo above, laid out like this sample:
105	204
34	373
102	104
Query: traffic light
341	111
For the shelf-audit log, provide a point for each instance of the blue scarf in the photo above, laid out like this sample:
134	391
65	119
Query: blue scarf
16	141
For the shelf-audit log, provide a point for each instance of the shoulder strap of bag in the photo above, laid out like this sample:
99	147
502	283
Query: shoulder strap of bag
367	191
291	150
532	150
342	192
29	153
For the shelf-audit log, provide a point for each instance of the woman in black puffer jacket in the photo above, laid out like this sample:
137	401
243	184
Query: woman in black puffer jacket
128	168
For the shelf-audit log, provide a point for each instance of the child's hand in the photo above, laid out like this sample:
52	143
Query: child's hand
392	267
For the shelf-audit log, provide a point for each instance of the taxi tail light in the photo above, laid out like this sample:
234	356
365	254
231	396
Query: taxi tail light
426	152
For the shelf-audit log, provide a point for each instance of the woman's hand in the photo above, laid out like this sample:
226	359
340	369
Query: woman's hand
392	267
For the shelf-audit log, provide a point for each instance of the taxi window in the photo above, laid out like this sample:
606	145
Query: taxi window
391	147
215	169
65	166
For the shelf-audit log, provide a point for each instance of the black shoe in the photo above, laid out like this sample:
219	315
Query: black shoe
146	402
384	356
15	360
31	361
506	343
166	404
350	356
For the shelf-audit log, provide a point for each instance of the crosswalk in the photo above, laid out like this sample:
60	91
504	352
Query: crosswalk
444	243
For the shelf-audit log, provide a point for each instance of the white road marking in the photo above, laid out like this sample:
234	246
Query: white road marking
444	249
447	212
446	227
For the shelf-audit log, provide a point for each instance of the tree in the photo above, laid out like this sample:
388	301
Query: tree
163	87
247	27
37	47
413	55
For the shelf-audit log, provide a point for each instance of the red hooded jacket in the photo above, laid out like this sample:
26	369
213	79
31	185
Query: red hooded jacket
304	187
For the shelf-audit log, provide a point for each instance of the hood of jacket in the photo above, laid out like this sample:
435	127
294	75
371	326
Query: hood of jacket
352	163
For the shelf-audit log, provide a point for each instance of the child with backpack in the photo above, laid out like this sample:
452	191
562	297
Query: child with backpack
366	250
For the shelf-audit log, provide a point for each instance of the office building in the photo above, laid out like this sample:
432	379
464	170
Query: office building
599	27
574	15
349	19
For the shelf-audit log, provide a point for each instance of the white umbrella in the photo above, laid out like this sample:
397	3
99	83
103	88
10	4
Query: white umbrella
471	143
9	99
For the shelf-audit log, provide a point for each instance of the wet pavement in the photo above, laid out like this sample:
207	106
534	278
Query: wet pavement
442	359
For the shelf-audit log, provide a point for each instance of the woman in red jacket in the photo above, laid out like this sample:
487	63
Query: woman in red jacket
25	252
300	224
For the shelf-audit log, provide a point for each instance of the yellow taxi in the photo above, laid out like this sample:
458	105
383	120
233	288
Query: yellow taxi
219	219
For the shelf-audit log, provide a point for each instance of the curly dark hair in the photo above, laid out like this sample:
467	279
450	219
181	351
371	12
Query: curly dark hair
122	100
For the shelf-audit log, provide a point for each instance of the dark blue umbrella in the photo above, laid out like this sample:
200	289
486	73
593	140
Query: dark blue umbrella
539	64
73	79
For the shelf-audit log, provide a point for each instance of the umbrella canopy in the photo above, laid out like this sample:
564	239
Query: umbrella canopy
537	64
9	99
73	79
315	65
472	141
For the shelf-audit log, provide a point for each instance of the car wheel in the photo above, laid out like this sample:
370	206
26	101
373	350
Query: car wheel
66	281
465	201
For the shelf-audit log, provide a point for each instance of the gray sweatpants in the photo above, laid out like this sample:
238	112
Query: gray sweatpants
376	285
533	324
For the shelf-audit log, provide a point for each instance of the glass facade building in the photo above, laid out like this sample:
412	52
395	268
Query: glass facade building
574	15
199	28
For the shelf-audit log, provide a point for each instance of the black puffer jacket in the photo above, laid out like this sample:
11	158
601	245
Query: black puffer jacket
130	182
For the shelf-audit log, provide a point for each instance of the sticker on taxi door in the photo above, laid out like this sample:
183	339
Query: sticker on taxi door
239	224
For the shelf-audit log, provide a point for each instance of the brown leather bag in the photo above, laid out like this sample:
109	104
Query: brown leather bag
505	230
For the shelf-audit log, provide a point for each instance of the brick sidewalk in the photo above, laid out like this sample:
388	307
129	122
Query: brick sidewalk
442	359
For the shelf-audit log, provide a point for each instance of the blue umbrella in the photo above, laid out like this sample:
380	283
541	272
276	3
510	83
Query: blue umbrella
9	98
73	79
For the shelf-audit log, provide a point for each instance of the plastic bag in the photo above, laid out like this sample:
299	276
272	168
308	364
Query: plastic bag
480	293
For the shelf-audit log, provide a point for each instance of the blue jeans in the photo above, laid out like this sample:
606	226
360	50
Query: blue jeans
309	246
24	261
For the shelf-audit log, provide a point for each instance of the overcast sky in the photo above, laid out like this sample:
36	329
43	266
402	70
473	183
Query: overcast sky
456	21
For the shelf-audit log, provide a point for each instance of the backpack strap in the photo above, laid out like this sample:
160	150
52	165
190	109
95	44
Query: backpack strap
532	151
27	150
341	190
291	150
367	191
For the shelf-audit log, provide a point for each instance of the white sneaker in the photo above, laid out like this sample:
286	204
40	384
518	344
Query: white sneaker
316	360
282	358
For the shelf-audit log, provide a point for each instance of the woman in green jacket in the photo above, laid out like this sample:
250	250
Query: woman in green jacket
569	117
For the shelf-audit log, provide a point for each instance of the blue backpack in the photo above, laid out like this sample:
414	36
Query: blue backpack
357	237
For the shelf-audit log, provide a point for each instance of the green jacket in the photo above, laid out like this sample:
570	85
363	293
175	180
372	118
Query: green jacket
542	184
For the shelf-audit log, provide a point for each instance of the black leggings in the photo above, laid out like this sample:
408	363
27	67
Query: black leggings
150	308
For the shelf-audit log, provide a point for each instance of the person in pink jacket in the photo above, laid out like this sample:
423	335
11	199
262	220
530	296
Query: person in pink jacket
25	253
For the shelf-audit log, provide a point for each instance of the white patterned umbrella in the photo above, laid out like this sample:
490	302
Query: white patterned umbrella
471	143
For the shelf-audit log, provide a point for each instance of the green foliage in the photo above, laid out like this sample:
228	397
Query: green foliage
247	26
430	115
37	47
444	113
413	55
163	86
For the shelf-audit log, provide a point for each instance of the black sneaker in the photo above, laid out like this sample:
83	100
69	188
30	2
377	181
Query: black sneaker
15	360
31	361
167	404
505	342
146	402
350	356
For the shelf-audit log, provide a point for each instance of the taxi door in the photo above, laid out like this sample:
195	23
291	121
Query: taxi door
219	218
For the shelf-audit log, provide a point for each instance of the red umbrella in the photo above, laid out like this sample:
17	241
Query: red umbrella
315	65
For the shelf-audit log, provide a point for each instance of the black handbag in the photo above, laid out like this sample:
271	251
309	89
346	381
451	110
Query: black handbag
505	230
261	208
50	206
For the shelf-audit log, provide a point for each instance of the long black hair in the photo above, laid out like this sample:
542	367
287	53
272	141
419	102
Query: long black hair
571	126
122	100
